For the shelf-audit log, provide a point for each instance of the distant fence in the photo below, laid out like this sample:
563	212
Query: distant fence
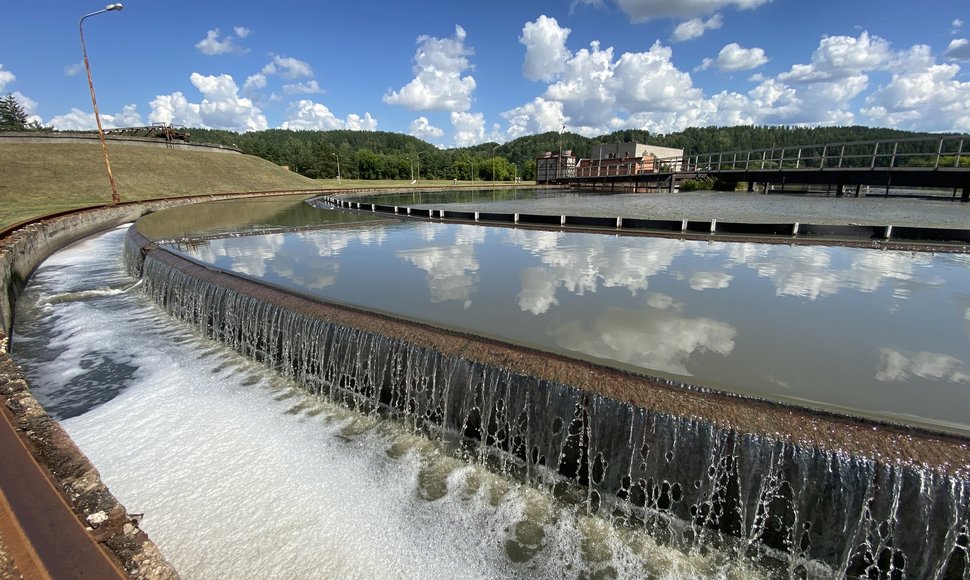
41	137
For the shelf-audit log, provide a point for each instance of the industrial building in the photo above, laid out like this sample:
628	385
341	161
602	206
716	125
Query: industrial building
608	160
553	167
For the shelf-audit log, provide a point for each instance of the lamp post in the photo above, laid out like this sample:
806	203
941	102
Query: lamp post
493	162
559	161
417	158
115	198
338	167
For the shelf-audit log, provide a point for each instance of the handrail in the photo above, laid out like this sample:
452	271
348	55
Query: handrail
943	152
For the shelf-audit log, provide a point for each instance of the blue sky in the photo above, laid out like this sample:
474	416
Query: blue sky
460	73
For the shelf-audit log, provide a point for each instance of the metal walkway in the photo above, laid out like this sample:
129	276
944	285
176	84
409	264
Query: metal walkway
937	162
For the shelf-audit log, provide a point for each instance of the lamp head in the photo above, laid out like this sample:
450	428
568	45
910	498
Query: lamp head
115	7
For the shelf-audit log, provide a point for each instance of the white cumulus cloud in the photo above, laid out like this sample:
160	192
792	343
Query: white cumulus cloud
928	99
733	57
649	82
438	84
593	90
469	128
423	129
6	78
644	10
959	49
539	116
308	115
545	49
221	106
696	27
256	81
355	122
583	87
839	57
287	67
78	120
305	88
212	45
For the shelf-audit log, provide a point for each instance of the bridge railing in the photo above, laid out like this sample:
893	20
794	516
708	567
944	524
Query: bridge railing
944	152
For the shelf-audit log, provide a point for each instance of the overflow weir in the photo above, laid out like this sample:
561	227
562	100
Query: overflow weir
806	493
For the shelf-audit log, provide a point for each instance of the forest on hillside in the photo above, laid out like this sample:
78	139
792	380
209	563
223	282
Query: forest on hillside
384	155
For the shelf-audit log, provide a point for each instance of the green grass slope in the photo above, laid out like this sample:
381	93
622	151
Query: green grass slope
43	178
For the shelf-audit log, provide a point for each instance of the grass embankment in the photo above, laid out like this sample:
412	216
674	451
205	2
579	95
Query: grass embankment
43	178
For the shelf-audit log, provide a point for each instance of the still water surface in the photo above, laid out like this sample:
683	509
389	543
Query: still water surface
940	212
877	333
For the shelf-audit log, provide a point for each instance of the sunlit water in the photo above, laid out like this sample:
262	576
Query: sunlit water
875	333
240	475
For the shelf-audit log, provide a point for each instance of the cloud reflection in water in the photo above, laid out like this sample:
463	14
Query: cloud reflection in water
651	339
452	271
598	262
899	366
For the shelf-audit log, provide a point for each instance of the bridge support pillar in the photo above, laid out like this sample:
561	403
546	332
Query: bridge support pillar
858	189
750	186
965	197
839	190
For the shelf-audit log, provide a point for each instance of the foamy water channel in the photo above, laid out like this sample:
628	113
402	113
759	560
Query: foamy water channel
240	474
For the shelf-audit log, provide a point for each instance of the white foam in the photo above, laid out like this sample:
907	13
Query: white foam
262	481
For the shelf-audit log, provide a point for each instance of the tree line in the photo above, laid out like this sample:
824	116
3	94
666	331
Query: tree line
13	116
385	155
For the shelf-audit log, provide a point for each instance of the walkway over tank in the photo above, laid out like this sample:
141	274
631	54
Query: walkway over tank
937	162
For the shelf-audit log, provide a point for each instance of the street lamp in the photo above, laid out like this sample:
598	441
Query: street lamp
559	161
417	158
115	198
493	162
338	167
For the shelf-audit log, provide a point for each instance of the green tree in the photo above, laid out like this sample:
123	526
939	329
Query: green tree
13	117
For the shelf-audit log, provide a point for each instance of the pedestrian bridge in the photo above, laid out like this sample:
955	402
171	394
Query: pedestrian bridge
941	162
